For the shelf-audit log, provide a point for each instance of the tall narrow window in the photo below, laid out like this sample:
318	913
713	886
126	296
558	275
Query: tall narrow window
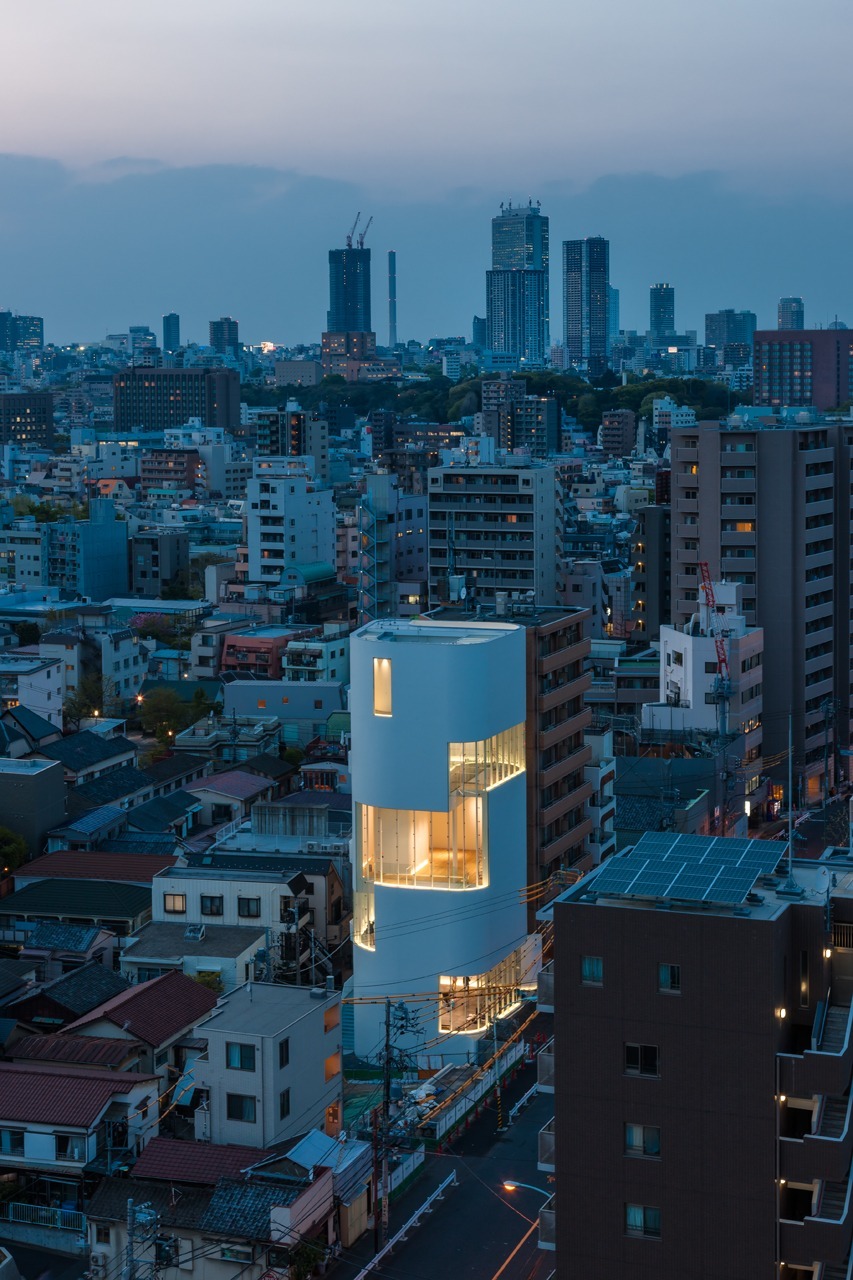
382	686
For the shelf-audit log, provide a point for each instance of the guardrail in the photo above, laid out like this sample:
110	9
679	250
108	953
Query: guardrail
40	1215
414	1221
522	1102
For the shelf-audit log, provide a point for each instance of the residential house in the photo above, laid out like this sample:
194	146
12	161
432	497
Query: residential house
82	864
55	949
121	908
86	755
50	1006
221	955
31	681
104	1053
229	796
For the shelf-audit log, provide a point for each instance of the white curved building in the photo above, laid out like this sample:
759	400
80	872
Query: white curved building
439	849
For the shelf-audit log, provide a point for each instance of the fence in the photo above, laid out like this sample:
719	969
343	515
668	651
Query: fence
39	1215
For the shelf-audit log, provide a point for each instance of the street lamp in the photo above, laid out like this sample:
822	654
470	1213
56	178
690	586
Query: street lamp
512	1185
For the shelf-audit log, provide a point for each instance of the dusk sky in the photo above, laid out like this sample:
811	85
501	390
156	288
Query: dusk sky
250	134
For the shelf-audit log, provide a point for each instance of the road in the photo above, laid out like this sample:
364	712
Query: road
479	1231
35	1264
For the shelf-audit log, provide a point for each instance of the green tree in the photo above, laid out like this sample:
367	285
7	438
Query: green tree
93	696
13	851
27	632
163	713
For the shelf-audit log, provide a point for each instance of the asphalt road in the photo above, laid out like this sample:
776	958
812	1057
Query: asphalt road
478	1231
40	1264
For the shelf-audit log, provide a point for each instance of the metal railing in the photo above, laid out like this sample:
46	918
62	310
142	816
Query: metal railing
547	1225
40	1215
414	1221
842	934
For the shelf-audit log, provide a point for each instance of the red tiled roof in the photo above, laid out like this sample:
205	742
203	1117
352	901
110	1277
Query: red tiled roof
84	1050
234	782
76	1098
154	1011
72	864
199	1162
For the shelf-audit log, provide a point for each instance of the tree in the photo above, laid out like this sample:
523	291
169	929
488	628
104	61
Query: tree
27	632
93	696
13	850
164	713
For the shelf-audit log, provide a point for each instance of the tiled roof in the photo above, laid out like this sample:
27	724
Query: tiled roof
111	786
187	1209
91	821
131	868
79	750
199	1162
92	1051
156	814
13	974
234	783
78	991
154	1011
150	844
175	766
73	1098
638	813
36	727
60	937
269	766
243	1208
82	898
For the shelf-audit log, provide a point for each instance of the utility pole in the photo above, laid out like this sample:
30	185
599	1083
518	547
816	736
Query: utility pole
313	960
296	947
386	1119
827	706
129	1262
498	1098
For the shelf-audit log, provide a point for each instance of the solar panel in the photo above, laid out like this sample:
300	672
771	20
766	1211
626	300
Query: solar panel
666	864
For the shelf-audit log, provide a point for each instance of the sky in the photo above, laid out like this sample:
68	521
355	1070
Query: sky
203	157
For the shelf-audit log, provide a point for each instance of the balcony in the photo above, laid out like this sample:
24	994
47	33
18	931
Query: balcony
547	1226
824	1153
826	1068
546	1147
545	1067
570	764
545	996
825	1235
565	804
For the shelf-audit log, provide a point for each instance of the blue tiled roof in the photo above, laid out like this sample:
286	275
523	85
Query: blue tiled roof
61	937
92	820
243	1208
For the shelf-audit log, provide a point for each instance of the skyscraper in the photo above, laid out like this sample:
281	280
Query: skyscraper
661	312
224	335
792	314
171	331
586	301
725	328
612	316
517	287
349	291
392	298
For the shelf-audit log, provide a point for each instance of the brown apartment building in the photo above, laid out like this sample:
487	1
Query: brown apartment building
154	399
701	1067
802	367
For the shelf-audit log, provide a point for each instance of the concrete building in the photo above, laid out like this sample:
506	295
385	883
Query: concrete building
495	529
392	547
668	1052
517	287
749	495
153	399
617	434
293	433
802	368
171	331
157	559
273	1066
224	336
26	418
586	302
661	312
651	557
791	314
290	519
32	799
440	828
298	373
28	680
723	328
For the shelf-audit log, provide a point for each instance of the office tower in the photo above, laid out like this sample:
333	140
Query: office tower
154	399
701	1102
392	299
517	286
392	550
225	336
26	417
586	283
725	327
7	332
792	314
776	496
480	332
349	291
515	313
612	316
29	333
661	312
438	782
651	556
290	519
171	331
809	367
495	529
141	338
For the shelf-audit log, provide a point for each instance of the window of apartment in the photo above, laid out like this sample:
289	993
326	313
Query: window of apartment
161	1058
678	658
240	1057
642	1140
102	1235
175	904
332	1018
241	1106
237	1253
382	686
248	908
283	1054
284	1104
592	970
211	904
641	1220
669	978
70	1146
332	1066
642	1060
11	1142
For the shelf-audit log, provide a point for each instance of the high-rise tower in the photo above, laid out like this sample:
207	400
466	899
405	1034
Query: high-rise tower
349	291
171	331
586	302
517	289
792	314
661	312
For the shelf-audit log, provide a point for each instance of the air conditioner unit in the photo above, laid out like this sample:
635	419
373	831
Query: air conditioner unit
98	1263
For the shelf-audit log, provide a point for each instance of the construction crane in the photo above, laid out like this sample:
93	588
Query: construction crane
364	232
352	230
722	685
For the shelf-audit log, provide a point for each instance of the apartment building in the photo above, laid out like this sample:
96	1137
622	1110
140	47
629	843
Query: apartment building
392	547
701	1065
495	528
651	557
154	399
290	519
768	506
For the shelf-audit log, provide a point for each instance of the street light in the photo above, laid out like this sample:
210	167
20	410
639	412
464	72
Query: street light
514	1186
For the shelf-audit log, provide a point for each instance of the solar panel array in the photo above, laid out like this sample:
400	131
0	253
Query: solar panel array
663	864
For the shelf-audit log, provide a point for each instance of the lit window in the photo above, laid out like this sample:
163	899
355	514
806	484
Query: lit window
382	686
174	903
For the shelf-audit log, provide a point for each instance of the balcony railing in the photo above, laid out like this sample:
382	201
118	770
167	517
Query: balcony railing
547	1226
842	934
546	1147
545	980
826	1067
545	1067
39	1215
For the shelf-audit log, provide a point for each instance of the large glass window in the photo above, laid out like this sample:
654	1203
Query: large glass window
469	1004
382	686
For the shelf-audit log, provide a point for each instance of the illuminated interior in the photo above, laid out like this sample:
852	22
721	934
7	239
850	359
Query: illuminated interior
469	1005
382	686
